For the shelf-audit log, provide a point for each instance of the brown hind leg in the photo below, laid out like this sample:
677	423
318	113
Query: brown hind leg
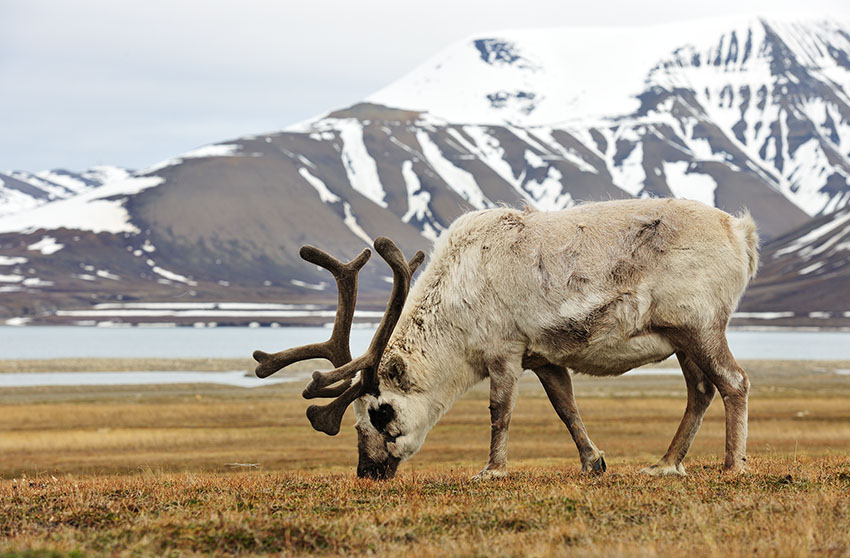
556	381
700	394
709	350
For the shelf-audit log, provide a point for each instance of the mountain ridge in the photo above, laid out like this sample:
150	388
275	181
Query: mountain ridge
22	190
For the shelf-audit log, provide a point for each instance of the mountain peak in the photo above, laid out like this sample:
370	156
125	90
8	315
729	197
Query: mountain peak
579	74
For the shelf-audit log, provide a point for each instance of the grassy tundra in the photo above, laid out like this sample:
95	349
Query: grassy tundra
184	470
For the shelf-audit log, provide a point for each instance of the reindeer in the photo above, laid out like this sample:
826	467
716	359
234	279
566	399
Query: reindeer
598	289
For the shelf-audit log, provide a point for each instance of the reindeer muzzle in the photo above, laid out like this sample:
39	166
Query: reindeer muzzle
368	469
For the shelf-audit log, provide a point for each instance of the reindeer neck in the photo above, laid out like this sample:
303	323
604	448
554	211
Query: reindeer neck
433	332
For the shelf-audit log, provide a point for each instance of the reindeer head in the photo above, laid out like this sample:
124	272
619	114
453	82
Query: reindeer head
382	416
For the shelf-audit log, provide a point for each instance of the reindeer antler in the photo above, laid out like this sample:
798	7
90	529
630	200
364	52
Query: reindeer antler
336	348
328	418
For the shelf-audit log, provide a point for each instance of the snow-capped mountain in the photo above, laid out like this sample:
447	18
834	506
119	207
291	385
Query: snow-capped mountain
22	190
748	113
762	97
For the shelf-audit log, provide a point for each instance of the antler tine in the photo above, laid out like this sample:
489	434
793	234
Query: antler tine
336	348
329	392
401	285
328	418
416	261
323	379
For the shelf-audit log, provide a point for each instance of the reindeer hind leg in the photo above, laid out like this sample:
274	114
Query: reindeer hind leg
720	367
700	394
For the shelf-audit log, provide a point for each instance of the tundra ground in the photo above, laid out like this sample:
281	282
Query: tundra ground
182	470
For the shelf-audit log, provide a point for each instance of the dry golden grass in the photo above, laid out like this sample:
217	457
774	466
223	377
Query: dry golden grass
779	509
152	471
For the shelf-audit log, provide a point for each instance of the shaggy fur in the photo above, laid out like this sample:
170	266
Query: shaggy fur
598	289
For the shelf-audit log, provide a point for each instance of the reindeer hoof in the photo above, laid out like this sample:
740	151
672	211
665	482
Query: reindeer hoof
490	474
733	471
664	470
597	466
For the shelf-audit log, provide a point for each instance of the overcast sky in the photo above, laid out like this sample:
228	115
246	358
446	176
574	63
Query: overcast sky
132	82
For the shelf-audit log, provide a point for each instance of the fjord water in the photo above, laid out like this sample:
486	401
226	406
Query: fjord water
160	342
233	342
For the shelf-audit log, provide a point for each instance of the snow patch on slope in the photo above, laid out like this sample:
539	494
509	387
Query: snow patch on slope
64	179
690	186
171	276
629	175
548	193
106	173
33	190
51	189
808	245
360	167
47	246
418	201
459	180
545	135
97	210
324	192
809	170
15	201
312	286
351	222
486	148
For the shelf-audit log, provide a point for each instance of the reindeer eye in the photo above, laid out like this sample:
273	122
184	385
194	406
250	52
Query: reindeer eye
381	416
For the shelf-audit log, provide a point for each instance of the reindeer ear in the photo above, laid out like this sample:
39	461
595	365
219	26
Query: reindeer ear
396	373
396	370
381	416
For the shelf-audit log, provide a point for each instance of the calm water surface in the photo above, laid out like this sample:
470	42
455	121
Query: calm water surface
232	342
236	378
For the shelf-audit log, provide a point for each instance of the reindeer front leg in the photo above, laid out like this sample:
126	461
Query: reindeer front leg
559	387
503	391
